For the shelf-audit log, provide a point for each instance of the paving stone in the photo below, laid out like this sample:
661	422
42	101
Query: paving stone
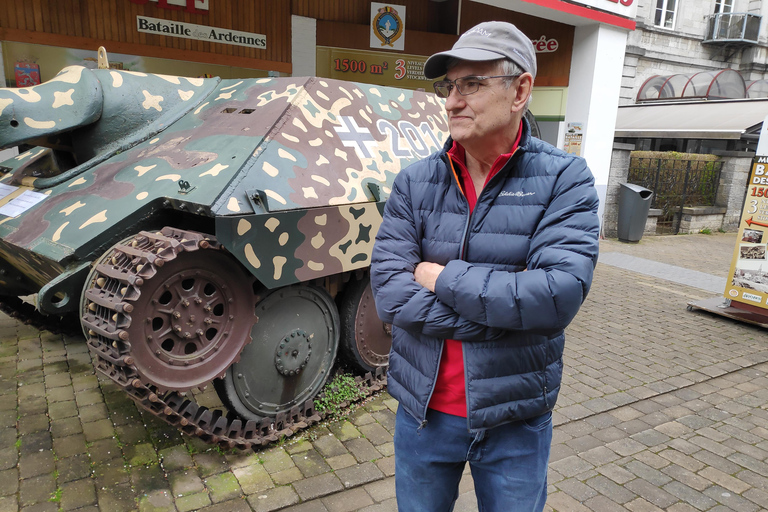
116	498
66	427
298	446
286	476
730	500
329	446
651	493
689	495
35	464
33	423
62	394
310	463
253	478
111	472
9	482
571	466
362	449
34	443
386	465
104	449
344	430
386	449
311	506
576	489
610	489
341	461
275	459
184	483
156	501
347	501
686	477
73	468
714	475
375	433
360	474
223	487
37	489
44	507
141	454
615	473
175	458
9	457
96	430
210	463
317	486
193	502
77	494
236	505
273	499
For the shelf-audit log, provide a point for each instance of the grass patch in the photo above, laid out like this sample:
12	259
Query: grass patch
340	391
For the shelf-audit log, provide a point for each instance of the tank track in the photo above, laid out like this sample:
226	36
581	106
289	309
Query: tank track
27	314
116	281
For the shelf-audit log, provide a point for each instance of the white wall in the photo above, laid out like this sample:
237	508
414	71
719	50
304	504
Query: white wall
593	94
303	46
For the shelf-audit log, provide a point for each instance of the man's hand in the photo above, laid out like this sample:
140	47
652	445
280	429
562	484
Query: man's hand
426	274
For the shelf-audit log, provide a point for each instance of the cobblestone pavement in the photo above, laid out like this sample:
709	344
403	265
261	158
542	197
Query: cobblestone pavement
661	409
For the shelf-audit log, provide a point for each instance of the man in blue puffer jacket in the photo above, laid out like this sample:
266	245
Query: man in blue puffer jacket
484	256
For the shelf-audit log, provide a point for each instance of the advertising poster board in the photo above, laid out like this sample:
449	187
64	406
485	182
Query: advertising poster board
748	277
380	68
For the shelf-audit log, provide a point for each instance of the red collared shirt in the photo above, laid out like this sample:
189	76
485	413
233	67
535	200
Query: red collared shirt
450	394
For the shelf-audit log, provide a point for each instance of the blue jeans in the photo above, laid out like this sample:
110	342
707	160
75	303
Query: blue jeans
508	463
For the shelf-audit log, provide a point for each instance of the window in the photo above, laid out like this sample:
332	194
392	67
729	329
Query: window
665	13
723	6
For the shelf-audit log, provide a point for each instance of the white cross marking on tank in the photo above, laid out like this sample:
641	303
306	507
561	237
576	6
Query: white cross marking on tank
353	136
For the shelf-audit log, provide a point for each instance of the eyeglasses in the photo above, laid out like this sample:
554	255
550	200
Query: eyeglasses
466	85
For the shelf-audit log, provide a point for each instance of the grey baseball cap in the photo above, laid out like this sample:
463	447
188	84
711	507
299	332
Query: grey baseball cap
490	40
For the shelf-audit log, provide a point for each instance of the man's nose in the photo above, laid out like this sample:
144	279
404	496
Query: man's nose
454	99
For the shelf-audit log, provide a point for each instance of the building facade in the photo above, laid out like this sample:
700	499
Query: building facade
580	44
690	36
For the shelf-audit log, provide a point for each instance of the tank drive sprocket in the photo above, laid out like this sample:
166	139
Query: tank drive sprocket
181	308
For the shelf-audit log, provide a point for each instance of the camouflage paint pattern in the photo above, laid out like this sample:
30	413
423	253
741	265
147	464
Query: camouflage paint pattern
295	171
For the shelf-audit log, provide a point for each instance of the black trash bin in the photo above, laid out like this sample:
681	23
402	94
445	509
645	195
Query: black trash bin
634	203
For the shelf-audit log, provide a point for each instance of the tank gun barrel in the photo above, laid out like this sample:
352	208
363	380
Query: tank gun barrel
73	98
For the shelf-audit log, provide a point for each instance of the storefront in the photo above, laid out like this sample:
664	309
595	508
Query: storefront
580	47
237	38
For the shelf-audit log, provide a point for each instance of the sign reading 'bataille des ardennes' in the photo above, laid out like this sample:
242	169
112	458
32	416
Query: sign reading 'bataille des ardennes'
200	32
748	278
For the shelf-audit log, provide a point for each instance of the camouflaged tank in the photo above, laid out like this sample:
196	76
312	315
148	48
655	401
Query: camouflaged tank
208	230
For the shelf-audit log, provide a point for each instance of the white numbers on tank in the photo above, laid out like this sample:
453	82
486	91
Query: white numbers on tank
414	137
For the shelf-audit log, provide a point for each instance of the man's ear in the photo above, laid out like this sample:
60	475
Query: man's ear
523	91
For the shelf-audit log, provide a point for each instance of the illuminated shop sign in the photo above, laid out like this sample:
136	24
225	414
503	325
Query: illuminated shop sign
200	32
626	8
194	6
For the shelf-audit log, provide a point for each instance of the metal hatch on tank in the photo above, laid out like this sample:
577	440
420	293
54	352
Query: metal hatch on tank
206	230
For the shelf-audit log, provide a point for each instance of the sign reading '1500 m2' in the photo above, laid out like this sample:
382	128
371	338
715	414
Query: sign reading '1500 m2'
200	32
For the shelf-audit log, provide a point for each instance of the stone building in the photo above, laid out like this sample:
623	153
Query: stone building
689	36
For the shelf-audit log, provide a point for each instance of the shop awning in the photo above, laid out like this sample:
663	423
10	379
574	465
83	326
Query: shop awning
691	120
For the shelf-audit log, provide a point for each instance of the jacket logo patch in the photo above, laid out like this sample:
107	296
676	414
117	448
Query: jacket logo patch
506	193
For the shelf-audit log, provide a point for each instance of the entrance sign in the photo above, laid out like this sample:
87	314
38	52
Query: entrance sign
626	8
748	277
387	26
200	32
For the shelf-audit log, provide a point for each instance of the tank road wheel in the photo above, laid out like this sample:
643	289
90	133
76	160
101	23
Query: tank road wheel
293	349
184	315
365	340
